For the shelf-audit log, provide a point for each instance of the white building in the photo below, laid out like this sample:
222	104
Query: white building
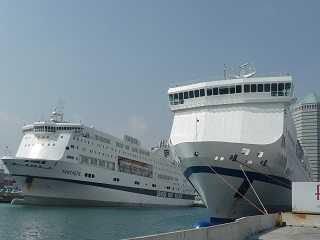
306	117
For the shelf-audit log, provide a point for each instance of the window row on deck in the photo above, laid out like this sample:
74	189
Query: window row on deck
52	129
275	89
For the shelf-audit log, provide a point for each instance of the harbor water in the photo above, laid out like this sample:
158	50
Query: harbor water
73	223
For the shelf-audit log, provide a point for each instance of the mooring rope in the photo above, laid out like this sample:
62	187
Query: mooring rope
234	189
253	190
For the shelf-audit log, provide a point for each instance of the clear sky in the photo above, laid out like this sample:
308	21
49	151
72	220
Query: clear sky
112	62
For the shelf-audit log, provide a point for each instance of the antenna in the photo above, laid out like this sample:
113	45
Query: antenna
246	70
57	114
225	71
60	106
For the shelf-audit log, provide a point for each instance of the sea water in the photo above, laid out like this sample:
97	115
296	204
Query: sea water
94	223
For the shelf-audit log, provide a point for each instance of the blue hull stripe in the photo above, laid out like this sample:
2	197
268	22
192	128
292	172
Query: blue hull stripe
144	191
253	176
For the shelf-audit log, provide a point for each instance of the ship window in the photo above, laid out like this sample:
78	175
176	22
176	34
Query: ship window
246	88
260	87
253	87
238	89
274	89
175	96
93	161
153	185
223	91
267	87
232	90
181	95
136	182
191	95
209	92
215	91
280	89
196	93
202	93
171	98
185	95
288	86
102	163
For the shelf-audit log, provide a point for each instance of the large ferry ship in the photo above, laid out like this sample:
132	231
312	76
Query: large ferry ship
236	143
64	163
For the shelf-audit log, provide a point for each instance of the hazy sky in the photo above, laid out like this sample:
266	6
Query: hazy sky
111	62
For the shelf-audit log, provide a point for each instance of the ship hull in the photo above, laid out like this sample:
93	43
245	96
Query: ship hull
50	182
227	183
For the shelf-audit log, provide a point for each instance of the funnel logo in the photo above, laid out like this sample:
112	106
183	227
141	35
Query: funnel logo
318	192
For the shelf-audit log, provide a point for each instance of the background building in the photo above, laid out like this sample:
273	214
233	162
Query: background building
307	121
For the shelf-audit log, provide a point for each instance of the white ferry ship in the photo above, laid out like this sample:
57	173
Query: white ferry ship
63	163
236	141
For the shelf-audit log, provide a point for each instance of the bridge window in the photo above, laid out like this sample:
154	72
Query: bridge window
209	92
287	88
232	90
246	88
260	87
191	95
185	95
196	93
238	89
202	93
274	89
253	87
223	91
171	98
267	87
215	91
181	98
280	89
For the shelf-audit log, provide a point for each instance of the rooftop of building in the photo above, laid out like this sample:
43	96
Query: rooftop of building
311	98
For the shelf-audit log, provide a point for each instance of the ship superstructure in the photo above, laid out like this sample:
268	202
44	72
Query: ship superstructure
64	163
236	142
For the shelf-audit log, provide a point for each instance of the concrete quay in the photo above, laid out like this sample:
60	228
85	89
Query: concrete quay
241	229
282	226
289	233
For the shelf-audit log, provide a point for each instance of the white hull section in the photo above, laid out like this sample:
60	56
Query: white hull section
63	183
